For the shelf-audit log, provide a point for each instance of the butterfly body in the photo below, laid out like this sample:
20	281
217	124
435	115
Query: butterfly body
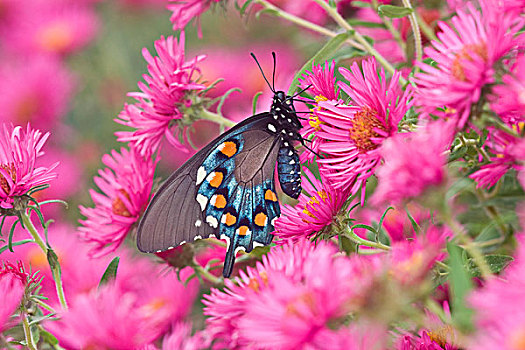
227	190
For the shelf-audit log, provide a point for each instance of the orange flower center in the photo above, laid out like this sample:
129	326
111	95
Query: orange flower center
517	339
10	169
254	283
464	57
306	299
443	336
363	129
118	207
26	108
56	37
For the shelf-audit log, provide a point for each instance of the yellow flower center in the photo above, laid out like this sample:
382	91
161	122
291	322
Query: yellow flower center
118	207
363	129
313	119
56	37
311	203
443	336
458	70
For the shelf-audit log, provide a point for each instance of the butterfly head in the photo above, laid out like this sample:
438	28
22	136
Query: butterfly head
284	111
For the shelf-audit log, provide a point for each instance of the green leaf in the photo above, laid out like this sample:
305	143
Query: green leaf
52	259
322	55
346	245
271	12
358	23
14	244
111	272
392	11
258	252
49	338
460	286
496	262
244	7
362	4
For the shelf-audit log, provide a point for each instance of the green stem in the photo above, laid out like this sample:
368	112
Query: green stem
44	305
425	28
469	246
206	274
415	30
350	234
492	213
216	118
55	270
504	127
359	38
27	333
304	23
388	24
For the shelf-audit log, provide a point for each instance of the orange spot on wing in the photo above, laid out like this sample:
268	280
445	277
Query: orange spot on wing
230	219
260	219
270	196
216	179
220	201
229	148
243	230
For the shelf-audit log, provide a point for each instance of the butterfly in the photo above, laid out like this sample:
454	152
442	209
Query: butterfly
227	189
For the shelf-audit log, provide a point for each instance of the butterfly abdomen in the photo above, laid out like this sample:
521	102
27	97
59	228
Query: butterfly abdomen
289	170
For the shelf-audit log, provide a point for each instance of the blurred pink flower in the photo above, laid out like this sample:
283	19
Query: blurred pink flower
306	9
508	98
500	307
34	89
286	297
164	94
186	10
466	54
507	152
12	286
126	186
319	203
423	341
413	162
19	151
180	338
55	27
351	135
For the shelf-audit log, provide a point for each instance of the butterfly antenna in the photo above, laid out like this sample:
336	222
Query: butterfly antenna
264	76
308	148
300	92
274	67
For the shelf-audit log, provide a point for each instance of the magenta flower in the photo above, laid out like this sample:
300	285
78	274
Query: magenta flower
180	338
316	209
413	163
466	54
286	296
351	135
508	153
126	186
509	97
500	309
36	90
19	151
323	87
186	10
12	286
162	99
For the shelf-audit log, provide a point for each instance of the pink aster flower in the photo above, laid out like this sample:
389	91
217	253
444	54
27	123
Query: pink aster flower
51	27
413	163
180	338
19	151
126	186
286	296
323	87
500	307
186	10
35	89
12	286
351	135
316	209
508	152
163	95
466	55
508	98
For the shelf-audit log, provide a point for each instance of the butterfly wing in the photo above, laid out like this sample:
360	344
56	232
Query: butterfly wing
226	190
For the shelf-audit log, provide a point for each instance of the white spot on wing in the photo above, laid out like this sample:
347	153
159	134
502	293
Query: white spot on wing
198	223
273	221
292	161
238	249
272	128
227	239
183	242
197	237
201	175
159	251
290	153
286	144
212	221
202	200
257	244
